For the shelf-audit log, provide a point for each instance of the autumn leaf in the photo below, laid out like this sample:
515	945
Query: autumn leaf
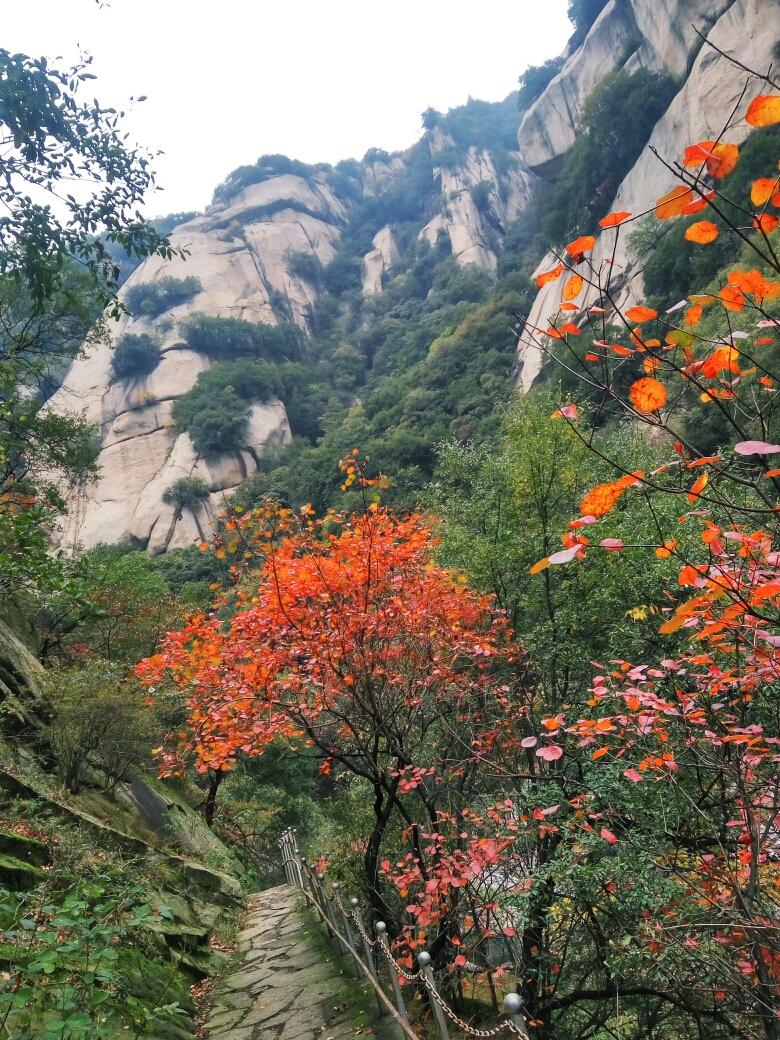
723	159
693	314
602	499
568	411
647	394
573	287
732	298
639	314
698	487
698	154
762	191
666	550
549	276
702	232
763	110
571	329
698	204
608	836
631	774
613	219
551	753
671	204
722	358
766	222
581	245
612	544
542	565
756	448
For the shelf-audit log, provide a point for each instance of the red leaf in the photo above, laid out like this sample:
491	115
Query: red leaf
608	836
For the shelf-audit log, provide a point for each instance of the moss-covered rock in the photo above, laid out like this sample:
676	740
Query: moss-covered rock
28	850
19	876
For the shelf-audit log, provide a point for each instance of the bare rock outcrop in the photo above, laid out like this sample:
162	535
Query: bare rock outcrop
746	29
378	262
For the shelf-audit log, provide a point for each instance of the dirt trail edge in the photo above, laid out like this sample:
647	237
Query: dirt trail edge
288	982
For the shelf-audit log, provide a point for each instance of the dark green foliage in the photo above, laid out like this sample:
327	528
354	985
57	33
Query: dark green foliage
187	493
677	267
266	166
430	118
153	298
135	356
227	338
52	138
305	265
215	411
617	120
486	124
582	15
534	81
343	273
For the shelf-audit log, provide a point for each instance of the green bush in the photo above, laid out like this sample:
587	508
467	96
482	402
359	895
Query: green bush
305	265
534	81
153	298
223	339
216	410
582	15
617	120
135	356
187	493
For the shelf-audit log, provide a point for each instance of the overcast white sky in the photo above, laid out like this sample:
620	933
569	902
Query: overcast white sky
231	80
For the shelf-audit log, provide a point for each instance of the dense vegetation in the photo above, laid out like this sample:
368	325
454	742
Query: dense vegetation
152	298
134	356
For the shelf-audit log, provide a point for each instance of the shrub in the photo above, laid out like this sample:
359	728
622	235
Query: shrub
152	298
534	81
187	493
226	338
135	356
305	265
582	15
617	120
216	410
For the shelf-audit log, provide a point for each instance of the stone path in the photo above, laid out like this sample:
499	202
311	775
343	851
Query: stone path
289	982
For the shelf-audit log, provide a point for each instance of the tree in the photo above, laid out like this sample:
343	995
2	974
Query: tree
188	493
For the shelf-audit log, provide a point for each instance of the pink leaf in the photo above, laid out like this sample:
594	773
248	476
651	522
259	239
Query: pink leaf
570	411
756	448
529	741
633	775
567	555
612	544
509	931
608	836
582	522
460	960
550	753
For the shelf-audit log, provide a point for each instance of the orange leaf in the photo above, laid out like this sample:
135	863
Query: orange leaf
732	298
600	753
640	314
650	364
763	110
580	245
553	333
698	204
698	154
662	553
601	499
723	357
673	624
698	487
762	191
766	222
647	394
542	565
688	575
573	287
623	351
549	276
693	314
702	232
568	307
671	204
571	329
613	219
724	159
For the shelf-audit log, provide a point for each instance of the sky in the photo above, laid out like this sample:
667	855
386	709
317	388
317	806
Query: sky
228	81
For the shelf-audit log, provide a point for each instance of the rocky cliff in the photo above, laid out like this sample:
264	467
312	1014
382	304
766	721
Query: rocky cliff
245	251
668	35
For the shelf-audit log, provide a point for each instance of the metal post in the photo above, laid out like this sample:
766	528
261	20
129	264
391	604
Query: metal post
283	845
332	916
339	910
381	931
367	952
323	903
348	931
513	1005
424	960
304	873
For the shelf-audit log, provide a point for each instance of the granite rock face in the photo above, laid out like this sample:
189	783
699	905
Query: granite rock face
747	30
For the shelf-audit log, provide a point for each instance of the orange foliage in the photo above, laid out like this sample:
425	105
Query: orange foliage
647	394
702	232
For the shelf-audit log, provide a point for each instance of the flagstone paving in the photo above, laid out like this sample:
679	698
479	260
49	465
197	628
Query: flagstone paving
287	982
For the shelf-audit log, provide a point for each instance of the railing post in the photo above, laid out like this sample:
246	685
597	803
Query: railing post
304	873
367	951
424	960
513	1005
347	930
323	903
381	931
328	900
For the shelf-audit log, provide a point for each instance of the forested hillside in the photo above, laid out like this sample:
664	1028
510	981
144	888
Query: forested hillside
427	503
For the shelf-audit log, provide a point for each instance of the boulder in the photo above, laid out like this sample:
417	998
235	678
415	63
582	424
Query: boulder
379	261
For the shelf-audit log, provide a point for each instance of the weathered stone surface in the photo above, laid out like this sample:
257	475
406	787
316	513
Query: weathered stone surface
299	992
379	261
745	29
654	34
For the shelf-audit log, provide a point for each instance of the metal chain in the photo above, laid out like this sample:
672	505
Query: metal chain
418	976
464	1025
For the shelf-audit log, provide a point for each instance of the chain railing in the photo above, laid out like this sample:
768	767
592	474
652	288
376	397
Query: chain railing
339	921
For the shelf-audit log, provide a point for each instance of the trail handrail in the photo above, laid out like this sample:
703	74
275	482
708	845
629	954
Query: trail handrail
326	899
